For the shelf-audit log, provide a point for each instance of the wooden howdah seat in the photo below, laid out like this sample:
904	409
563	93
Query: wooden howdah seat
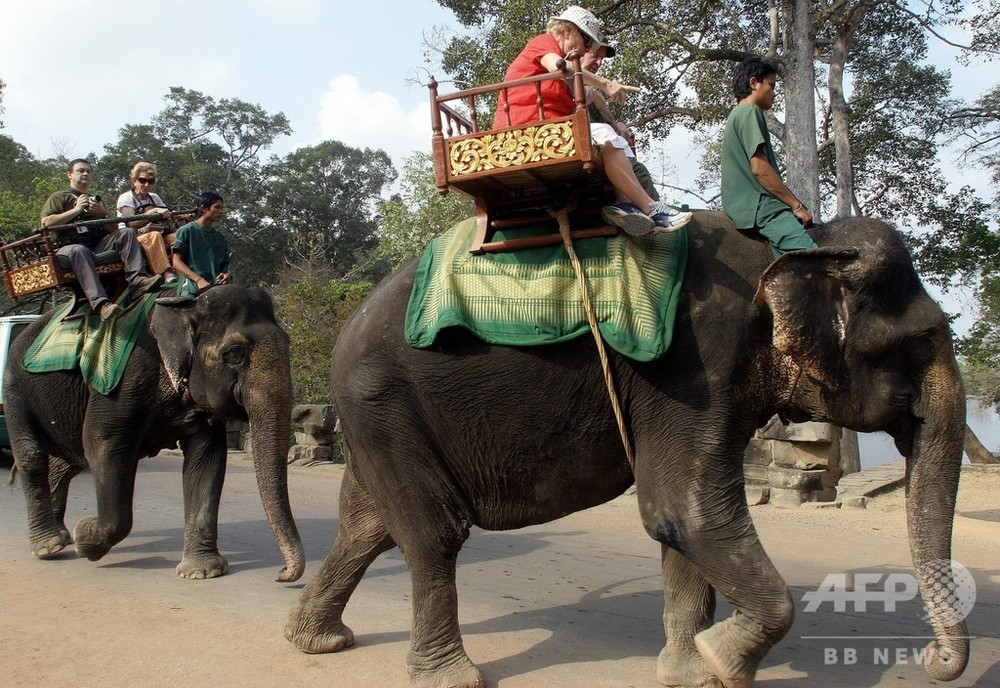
518	175
31	265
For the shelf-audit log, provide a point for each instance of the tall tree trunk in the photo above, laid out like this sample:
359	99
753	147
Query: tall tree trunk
847	26
840	116
799	79
975	449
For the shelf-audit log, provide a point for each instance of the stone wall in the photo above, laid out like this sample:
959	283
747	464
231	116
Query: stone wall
789	465
316	427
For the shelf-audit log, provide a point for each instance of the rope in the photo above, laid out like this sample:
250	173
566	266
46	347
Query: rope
562	216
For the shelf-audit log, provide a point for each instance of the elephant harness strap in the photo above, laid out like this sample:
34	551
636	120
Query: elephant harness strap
562	216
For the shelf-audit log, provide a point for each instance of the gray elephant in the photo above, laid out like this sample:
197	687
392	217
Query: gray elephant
195	365
471	434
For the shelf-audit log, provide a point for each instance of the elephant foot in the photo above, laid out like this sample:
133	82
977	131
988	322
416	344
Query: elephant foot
202	566
462	674
731	652
88	544
338	638
683	667
46	547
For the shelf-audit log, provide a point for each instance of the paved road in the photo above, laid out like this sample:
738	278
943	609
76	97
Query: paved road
573	603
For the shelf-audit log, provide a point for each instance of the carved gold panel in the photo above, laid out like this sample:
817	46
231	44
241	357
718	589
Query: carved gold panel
492	151
38	276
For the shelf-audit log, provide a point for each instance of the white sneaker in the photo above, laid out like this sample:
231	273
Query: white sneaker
628	218
666	218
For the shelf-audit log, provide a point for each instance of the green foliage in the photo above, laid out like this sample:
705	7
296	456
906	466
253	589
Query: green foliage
25	183
323	198
981	347
416	215
201	144
312	309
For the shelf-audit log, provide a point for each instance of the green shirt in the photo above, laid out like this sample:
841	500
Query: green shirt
60	202
204	250
742	194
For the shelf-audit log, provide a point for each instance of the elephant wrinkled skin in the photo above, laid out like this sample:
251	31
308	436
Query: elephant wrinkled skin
467	433
195	365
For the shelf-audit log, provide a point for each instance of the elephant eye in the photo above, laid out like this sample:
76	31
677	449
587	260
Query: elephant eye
235	355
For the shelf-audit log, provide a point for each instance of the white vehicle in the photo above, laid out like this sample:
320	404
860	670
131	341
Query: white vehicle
10	327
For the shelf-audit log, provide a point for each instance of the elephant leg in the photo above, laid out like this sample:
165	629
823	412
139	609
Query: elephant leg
113	471
46	532
61	473
315	623
203	475
708	521
437	657
732	560
688	609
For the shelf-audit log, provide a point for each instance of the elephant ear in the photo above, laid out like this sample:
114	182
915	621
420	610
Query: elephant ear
806	293
173	326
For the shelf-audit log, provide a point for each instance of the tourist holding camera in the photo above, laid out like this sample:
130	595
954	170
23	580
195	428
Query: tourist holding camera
81	245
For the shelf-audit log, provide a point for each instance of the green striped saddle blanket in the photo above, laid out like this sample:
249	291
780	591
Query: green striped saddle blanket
81	340
532	297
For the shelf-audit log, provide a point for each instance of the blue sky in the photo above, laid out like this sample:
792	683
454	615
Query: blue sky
337	69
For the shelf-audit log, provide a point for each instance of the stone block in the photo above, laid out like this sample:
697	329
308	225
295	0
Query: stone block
832	476
794	478
757	453
804	455
319	421
826	494
855	502
757	494
785	498
307	454
799	432
755	473
308	440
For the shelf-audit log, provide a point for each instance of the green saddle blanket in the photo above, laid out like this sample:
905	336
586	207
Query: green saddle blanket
532	297
99	349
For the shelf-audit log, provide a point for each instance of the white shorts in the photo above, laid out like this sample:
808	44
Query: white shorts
602	133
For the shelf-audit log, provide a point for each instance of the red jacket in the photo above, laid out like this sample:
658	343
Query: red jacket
557	99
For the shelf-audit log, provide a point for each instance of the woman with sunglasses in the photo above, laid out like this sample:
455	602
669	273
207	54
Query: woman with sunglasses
154	235
578	29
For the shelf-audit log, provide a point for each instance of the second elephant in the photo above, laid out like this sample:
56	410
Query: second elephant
195	366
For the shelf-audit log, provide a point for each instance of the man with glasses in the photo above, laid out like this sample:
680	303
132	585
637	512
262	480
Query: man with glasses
76	204
753	194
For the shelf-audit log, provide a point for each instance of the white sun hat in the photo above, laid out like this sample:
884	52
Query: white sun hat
588	24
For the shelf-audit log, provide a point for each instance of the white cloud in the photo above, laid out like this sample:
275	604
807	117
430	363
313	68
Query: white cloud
373	119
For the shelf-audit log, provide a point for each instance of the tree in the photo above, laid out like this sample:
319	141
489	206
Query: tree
202	144
323	199
312	309
25	183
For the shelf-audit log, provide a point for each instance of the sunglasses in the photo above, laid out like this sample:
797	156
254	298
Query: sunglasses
143	180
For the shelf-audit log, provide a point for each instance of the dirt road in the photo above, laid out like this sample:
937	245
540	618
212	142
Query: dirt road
572	603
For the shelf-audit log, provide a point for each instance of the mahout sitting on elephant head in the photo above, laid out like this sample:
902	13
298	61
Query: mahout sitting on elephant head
196	364
467	433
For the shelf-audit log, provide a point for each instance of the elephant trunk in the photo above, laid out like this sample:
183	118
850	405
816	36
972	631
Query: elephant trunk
933	470
268	401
